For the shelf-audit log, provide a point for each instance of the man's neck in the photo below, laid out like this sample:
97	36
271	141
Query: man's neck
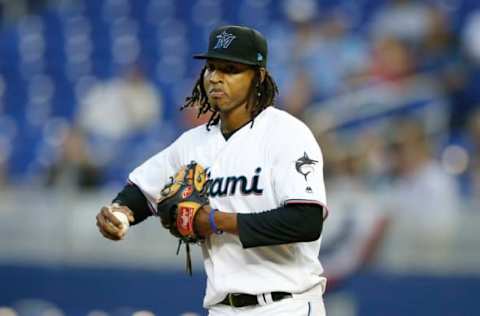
232	120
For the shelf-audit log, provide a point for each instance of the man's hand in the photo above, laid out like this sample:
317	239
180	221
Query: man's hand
108	225
202	224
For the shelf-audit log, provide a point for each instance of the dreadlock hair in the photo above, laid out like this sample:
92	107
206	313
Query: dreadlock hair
261	95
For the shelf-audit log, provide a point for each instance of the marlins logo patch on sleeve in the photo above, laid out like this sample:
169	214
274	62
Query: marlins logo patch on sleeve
304	166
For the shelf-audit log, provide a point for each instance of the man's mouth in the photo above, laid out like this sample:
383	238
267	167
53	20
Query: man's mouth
216	93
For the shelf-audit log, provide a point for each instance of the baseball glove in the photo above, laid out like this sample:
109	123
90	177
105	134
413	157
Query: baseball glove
179	203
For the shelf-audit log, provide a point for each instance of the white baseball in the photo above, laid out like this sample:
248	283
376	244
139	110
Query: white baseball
123	219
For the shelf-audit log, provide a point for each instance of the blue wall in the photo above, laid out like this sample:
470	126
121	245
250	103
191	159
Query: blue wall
78	290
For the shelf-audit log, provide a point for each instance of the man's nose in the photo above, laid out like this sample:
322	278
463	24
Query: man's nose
216	76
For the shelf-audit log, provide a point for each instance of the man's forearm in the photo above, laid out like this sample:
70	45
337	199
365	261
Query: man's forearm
287	224
132	197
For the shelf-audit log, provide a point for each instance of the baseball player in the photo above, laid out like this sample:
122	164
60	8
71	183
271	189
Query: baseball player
261	222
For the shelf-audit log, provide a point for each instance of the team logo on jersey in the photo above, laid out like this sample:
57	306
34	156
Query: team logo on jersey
223	186
304	165
224	40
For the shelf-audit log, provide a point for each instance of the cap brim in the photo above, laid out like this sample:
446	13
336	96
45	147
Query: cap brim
212	55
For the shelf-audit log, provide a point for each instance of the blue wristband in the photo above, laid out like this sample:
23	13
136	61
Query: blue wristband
213	226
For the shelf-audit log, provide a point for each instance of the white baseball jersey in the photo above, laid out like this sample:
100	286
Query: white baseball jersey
259	168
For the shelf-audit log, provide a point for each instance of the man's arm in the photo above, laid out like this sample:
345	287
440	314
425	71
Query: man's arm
129	201
283	225
132	197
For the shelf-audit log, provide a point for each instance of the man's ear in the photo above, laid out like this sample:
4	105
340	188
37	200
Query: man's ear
263	73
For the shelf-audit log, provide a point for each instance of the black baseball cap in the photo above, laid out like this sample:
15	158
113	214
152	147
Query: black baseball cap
239	44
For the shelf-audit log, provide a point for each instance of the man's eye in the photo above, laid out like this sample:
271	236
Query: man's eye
210	68
231	70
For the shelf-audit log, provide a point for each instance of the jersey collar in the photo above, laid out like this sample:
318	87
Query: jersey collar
227	136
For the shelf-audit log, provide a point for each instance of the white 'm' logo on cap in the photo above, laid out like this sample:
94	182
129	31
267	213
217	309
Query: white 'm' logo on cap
224	40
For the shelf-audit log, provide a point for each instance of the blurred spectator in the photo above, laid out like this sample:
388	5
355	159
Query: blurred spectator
357	223
471	36
3	175
34	6
405	20
416	175
440	56
421	194
328	56
439	47
117	108
119	115
392	60
12	10
467	99
8	132
4	153
75	167
300	11
474	158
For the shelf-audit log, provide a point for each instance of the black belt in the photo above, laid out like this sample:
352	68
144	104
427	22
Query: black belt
241	300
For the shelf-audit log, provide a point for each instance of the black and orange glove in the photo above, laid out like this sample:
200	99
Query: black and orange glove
180	201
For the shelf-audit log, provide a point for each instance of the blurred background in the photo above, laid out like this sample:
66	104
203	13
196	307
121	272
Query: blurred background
89	89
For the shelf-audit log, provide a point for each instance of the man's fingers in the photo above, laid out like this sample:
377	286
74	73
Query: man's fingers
105	234
131	219
103	219
108	225
129	213
108	214
104	215
112	229
125	210
108	236
100	220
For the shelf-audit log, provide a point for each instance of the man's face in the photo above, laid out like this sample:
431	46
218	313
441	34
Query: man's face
227	84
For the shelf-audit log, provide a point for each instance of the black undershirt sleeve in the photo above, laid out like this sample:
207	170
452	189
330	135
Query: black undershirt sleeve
283	225
132	197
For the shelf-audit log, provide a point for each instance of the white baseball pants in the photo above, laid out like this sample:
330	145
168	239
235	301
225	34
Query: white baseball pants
286	307
309	303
